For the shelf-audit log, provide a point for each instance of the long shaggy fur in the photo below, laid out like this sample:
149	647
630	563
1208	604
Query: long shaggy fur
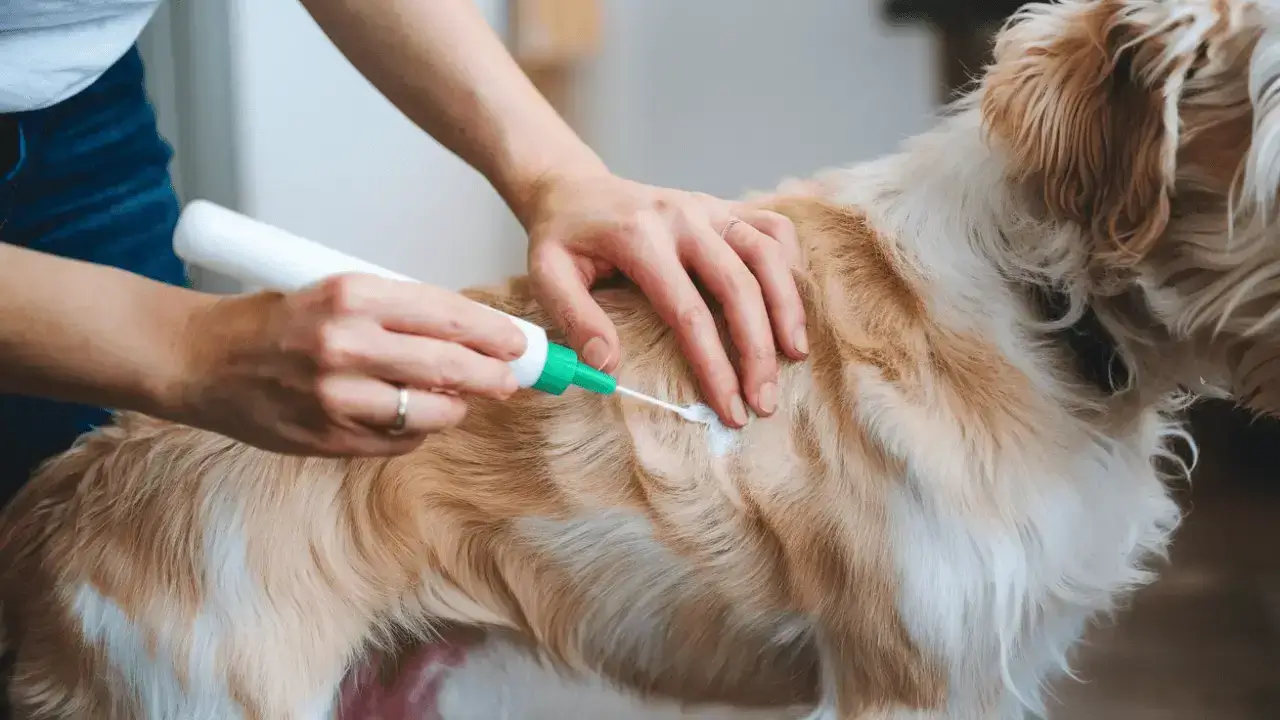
923	530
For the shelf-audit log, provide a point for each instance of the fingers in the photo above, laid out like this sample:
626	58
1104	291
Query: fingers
564	294
372	404
767	244
424	363
655	266
778	227
425	310
431	364
455	320
739	293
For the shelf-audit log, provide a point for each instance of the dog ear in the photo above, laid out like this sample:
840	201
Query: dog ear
1085	101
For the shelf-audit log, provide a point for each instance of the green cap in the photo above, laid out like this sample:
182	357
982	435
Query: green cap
564	369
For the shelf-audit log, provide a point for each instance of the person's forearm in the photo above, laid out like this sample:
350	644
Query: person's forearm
444	67
85	333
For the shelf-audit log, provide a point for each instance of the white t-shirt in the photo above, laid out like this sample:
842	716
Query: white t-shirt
53	49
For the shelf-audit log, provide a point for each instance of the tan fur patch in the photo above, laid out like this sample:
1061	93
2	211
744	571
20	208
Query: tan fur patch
1084	122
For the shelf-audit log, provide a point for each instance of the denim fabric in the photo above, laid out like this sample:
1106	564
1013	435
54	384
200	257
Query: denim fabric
89	180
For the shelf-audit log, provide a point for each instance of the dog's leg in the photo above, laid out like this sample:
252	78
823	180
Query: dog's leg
829	690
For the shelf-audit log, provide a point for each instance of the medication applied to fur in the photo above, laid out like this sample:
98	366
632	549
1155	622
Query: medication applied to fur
720	437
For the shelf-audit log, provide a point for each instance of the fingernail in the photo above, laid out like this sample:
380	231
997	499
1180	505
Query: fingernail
738	411
596	353
768	398
802	340
510	385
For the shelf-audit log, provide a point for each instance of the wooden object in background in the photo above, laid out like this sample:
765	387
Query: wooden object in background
554	32
550	39
965	29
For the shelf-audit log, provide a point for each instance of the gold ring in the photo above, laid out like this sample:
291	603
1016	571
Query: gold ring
402	413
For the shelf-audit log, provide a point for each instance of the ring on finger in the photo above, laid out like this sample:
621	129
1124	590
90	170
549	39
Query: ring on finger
401	421
728	226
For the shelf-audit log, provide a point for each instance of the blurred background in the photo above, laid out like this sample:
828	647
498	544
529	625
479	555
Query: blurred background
723	96
715	95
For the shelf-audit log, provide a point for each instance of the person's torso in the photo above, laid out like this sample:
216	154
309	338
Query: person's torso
53	49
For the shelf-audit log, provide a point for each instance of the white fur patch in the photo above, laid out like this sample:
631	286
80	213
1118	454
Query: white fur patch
237	605
149	674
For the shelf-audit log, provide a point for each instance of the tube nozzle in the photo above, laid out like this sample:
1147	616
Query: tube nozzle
563	369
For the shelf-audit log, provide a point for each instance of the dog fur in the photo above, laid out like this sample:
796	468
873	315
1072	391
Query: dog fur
923	530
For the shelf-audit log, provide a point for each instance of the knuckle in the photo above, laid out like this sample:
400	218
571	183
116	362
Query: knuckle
330	400
506	384
721	383
776	225
335	349
346	294
633	229
743	285
768	258
692	216
451	412
761	353
447	371
454	325
745	241
457	410
570	320
540	262
692	317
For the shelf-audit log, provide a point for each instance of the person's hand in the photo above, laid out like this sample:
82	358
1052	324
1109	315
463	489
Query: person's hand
319	371
585	227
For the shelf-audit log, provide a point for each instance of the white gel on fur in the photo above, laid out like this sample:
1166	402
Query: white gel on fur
721	438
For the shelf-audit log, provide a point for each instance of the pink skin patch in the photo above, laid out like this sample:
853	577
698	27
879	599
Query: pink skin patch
415	693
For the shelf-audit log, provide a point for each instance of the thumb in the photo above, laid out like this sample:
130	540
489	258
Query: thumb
562	288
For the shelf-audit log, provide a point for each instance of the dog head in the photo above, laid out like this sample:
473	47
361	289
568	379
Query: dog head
1154	126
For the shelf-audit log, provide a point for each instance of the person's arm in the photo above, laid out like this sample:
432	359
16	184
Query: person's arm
79	332
445	68
320	371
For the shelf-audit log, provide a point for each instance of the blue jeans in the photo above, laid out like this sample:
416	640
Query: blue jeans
87	179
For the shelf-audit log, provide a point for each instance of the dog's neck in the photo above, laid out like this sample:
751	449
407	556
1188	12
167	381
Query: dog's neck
1094	350
949	203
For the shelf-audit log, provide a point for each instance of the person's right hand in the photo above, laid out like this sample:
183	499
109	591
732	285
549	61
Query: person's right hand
584	226
319	371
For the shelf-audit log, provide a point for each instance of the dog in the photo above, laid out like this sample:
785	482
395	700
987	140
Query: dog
1006	318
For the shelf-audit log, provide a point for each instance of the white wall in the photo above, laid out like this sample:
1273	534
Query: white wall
272	121
714	95
725	96
331	159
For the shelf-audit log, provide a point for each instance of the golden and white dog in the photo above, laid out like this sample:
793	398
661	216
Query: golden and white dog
923	530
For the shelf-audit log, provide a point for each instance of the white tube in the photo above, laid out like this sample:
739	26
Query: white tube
257	254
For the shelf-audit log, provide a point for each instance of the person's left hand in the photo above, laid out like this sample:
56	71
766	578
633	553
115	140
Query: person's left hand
584	227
